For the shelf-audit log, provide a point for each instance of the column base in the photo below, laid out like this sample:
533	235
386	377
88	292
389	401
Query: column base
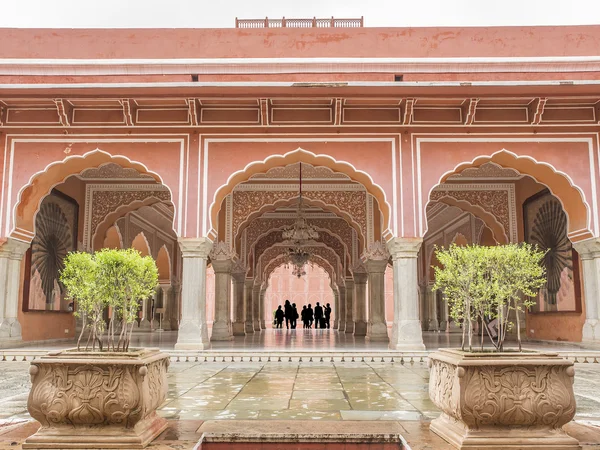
263	324
257	325
192	335
145	324
249	327
238	329
443	325
341	326
377	332
221	332
407	336
360	328
433	325
349	327
453	328
10	329
591	330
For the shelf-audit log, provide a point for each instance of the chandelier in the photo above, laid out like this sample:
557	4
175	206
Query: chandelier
298	237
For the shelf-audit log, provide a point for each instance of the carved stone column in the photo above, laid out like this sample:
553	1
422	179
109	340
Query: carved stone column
11	254
263	291
256	305
342	308
360	300
444	318
349	306
589	252
165	323
145	321
336	306
433	324
175	301
238	274
248	309
423	308
406	332
193	333
222	261
376	259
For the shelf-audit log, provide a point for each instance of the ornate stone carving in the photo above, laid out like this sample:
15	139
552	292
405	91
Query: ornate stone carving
221	251
102	200
496	199
488	170
246	202
112	171
292	171
508	400
377	251
86	400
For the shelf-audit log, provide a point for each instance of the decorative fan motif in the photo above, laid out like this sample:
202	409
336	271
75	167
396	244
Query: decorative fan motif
549	231
53	240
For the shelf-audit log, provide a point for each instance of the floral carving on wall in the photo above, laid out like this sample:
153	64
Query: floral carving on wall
292	172
246	202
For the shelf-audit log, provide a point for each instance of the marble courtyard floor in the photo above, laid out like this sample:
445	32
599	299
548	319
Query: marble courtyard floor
338	397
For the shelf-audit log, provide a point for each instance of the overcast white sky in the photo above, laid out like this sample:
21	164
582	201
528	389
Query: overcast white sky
222	13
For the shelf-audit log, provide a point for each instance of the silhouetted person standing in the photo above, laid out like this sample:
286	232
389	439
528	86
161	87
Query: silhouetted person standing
327	314
294	317
279	317
318	316
304	314
288	313
309	315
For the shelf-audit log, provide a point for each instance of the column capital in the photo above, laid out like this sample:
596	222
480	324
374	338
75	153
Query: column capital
222	251
195	247
360	277
13	248
376	251
222	265
376	265
588	249
349	283
249	283
404	247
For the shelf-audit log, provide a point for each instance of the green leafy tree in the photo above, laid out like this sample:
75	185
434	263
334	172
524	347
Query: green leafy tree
490	283
115	279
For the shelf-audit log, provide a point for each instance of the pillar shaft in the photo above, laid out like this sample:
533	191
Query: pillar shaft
262	306
165	323
349	306
238	303
589	252
256	307
193	333
360	303
11	254
406	333
342	309
221	330
336	307
377	326
433	324
248	310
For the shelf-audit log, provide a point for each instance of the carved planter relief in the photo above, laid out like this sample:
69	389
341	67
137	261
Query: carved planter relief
93	400
502	401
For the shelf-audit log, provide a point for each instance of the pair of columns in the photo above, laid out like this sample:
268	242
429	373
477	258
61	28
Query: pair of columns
406	331
589	253
11	255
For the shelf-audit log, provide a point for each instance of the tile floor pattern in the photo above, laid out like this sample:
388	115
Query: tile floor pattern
292	391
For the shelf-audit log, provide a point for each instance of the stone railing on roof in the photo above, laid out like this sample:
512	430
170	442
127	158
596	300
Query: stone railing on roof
299	23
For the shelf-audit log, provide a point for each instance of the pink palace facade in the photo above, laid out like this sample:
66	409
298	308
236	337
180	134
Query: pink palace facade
187	145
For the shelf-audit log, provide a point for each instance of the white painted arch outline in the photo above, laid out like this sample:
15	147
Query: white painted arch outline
135	164
468	164
373	188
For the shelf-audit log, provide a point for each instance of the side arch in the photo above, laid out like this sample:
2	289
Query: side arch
41	183
560	184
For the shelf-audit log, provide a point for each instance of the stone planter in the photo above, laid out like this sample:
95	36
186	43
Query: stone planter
502	400
93	400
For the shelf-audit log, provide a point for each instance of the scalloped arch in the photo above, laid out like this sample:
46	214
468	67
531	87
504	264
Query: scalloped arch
41	183
259	263
121	211
270	207
500	234
280	261
141	244
298	155
570	195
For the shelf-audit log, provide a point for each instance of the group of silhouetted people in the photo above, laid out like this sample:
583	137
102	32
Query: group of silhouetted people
319	316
